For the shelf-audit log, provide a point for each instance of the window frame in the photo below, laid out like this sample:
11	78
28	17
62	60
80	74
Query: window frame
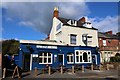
73	39
104	42
70	59
47	57
89	57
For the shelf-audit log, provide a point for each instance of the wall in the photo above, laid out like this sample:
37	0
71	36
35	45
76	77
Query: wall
53	29
67	30
59	50
109	43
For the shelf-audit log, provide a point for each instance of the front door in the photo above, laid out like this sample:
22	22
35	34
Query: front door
61	59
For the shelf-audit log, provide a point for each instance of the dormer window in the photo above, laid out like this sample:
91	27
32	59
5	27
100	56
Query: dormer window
88	25
72	22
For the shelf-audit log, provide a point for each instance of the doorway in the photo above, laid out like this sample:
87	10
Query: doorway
61	59
26	61
94	59
85	57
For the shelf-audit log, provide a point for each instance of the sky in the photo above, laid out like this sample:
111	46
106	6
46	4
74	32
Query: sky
33	20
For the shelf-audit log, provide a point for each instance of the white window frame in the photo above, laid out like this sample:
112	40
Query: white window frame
104	43
82	56
71	62
45	57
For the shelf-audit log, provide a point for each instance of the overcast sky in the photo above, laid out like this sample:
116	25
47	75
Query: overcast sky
33	20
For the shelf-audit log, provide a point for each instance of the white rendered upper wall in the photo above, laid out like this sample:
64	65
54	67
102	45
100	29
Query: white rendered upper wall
62	33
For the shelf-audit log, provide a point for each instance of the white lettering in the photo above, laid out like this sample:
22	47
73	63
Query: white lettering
50	47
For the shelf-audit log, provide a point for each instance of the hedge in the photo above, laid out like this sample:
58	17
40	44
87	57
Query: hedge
115	59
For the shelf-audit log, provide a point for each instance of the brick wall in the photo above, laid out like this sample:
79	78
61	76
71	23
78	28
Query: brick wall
111	44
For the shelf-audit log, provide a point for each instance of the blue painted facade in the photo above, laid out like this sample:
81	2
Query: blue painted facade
32	63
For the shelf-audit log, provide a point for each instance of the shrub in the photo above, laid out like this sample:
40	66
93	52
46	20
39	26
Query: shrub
115	59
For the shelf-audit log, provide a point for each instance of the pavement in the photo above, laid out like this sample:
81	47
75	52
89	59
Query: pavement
106	74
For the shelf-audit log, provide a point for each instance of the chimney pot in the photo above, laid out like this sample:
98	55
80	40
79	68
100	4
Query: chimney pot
82	19
56	12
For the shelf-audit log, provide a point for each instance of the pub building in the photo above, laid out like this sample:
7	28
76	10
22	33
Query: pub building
70	42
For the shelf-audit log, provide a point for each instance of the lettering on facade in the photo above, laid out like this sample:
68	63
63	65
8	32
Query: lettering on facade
50	47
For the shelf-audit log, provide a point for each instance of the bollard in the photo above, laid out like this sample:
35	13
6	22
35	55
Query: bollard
107	66
92	67
100	67
82	68
49	70
4	72
73	70
61	70
35	71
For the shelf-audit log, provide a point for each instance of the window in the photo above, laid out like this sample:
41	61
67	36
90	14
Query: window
70	58
35	58
104	42
106	56
58	26
45	58
89	40
82	56
73	39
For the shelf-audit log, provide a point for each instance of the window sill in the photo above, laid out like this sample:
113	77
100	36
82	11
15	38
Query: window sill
45	63
70	62
82	62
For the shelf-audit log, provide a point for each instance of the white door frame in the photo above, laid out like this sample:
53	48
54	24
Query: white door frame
31	62
63	58
95	58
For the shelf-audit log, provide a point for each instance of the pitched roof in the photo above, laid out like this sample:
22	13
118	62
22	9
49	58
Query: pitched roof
104	35
63	20
79	23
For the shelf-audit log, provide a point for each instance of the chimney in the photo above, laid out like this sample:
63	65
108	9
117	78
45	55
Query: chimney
82	19
108	32
56	12
48	37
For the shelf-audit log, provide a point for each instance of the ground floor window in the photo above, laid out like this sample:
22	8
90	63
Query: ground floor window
35	58
45	58
69	58
107	56
82	56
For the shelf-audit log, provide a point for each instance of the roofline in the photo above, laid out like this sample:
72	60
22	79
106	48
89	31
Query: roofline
80	27
109	38
39	42
49	44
